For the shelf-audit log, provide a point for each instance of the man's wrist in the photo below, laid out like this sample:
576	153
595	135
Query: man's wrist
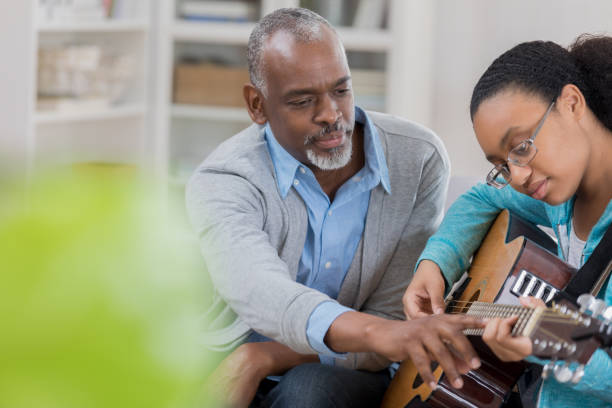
260	361
370	330
354	332
273	358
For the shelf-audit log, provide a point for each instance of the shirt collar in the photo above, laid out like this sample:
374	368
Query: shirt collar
285	165
374	154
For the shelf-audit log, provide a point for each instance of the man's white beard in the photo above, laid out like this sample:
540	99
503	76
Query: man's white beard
333	159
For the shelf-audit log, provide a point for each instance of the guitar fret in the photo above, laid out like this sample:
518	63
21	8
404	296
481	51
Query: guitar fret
524	318
519	323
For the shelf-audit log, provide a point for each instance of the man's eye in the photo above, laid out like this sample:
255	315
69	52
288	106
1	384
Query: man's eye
343	91
300	103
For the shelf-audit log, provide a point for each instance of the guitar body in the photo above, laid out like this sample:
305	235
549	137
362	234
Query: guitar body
514	259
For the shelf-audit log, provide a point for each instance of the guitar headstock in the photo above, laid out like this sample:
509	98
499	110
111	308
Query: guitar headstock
562	332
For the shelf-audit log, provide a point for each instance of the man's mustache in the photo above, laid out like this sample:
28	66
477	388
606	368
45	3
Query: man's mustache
335	127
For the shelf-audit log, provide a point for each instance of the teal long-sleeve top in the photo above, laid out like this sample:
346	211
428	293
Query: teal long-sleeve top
460	234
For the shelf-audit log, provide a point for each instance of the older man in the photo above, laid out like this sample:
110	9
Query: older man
310	222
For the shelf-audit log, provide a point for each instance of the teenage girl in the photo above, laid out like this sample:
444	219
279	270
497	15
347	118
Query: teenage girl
542	115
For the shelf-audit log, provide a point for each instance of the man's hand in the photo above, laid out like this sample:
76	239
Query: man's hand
239	374
425	294
436	337
497	335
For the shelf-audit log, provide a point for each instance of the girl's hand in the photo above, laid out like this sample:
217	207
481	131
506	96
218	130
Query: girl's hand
497	335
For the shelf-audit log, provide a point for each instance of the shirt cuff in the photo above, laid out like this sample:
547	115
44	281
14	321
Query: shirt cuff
319	322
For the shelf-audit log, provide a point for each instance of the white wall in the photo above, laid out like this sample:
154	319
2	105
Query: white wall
470	34
17	45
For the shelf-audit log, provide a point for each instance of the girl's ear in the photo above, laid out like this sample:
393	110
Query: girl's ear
571	101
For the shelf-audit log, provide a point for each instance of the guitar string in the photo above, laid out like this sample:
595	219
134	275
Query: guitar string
513	312
551	334
499	312
491	306
484	309
518	329
458	309
482	303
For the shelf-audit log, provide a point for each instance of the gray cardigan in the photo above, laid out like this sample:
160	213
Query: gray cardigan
252	239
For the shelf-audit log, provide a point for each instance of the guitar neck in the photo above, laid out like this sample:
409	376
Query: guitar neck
526	317
552	330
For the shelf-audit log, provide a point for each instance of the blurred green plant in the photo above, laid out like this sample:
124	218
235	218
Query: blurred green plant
100	295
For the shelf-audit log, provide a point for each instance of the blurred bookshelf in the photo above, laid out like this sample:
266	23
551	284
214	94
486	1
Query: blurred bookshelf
86	79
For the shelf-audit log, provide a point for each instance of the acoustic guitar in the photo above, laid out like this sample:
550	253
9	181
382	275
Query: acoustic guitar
515	259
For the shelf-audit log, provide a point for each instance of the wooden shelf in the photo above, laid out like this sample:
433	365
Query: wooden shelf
101	26
211	113
354	39
112	112
213	32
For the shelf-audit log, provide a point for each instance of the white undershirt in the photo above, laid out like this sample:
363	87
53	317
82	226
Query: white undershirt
575	249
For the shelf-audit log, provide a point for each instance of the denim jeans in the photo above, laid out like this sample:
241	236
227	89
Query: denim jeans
319	385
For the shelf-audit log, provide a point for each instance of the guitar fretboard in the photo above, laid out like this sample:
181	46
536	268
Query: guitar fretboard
492	310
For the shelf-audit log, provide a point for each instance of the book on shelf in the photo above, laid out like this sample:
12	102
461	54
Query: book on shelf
70	10
334	11
124	9
76	77
228	11
87	10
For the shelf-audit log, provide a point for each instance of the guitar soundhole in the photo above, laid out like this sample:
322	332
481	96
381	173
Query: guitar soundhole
418	380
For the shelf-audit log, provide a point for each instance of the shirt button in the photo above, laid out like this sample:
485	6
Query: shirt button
327	265
357	178
302	170
296	182
329	212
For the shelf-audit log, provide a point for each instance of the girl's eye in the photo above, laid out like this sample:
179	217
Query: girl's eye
522	149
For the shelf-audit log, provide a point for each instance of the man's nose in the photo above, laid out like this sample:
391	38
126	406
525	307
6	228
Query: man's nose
327	112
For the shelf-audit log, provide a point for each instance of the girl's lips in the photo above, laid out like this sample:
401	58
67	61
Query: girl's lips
539	192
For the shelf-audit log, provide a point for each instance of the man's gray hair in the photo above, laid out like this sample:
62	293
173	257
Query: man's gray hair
303	24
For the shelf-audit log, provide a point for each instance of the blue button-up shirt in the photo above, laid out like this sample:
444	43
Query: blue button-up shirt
334	228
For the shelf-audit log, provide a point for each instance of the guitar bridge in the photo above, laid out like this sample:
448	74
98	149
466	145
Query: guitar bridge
528	284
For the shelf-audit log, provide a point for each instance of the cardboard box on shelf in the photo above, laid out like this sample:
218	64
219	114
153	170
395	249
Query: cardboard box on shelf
209	84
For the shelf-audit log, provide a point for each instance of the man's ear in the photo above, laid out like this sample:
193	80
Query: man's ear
254	101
